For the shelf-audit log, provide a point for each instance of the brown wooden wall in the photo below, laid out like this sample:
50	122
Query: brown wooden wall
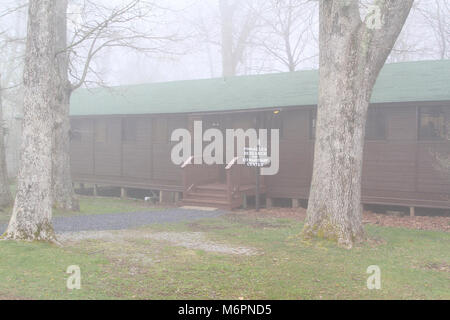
82	149
398	169
296	152
133	151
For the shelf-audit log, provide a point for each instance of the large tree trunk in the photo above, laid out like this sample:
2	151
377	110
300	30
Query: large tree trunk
5	194
63	193
351	57
32	213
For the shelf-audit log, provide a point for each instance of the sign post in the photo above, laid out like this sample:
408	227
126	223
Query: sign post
257	189
256	157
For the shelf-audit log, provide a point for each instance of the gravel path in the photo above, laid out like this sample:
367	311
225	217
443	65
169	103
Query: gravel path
120	221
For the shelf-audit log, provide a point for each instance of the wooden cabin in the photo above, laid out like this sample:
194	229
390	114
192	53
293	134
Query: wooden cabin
121	136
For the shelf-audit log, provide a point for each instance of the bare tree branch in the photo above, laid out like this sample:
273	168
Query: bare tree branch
130	25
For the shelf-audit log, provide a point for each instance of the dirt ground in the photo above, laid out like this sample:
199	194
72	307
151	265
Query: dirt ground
436	223
190	240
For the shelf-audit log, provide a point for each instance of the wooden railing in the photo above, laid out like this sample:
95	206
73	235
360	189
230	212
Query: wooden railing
238	175
198	174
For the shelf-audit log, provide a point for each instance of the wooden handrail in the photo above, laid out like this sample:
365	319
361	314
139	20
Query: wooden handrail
189	161
232	163
233	186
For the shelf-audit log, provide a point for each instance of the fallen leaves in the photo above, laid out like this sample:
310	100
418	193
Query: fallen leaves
435	223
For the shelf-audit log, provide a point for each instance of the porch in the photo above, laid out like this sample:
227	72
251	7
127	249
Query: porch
219	186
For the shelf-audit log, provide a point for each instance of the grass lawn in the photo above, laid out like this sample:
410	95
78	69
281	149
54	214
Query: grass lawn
129	265
91	205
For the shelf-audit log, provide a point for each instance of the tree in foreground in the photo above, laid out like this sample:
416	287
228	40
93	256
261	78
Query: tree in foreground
352	53
126	25
31	218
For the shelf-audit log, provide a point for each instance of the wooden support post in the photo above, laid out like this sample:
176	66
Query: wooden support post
269	203
244	201
95	190
178	196
412	212
295	203
123	193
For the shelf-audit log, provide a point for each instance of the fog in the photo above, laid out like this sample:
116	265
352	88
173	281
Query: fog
195	49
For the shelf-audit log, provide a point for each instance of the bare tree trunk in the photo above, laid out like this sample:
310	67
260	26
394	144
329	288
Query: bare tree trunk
351	57
5	194
235	40
63	193
32	213
226	14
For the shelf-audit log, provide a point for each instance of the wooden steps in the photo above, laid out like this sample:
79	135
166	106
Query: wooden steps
210	195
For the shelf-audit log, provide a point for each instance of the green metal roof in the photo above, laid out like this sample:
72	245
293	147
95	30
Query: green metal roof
398	82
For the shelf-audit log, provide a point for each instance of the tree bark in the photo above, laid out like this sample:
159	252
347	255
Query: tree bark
63	193
5	193
351	57
32	213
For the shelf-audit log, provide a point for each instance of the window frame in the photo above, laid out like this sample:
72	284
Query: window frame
275	121
76	132
128	123
438	138
312	129
160	127
379	111
103	122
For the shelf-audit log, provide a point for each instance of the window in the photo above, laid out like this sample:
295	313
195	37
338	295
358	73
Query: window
174	124
160	130
376	124
432	123
76	132
101	131
275	121
129	130
312	124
